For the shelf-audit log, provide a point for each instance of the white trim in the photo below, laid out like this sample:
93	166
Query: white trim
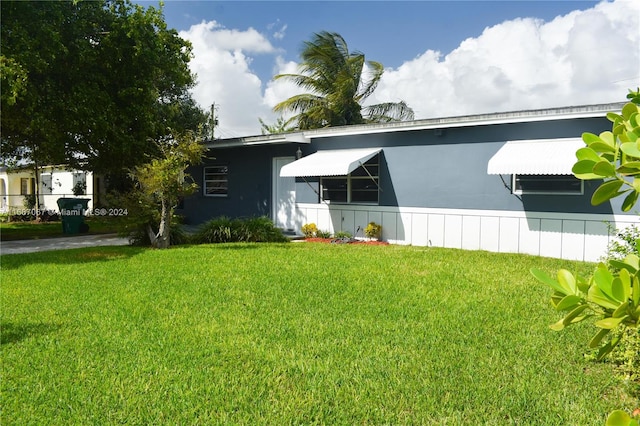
551	114
573	236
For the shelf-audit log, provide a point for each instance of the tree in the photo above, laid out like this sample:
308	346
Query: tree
161	183
280	126
338	84
92	84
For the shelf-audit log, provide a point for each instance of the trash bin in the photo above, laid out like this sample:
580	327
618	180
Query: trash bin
72	214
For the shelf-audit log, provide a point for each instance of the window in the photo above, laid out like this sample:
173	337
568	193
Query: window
24	186
547	184
361	186
216	179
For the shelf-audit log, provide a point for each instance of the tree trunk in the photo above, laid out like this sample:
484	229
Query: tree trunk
36	170
165	227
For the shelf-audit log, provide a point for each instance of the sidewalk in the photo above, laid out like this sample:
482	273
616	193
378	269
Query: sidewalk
45	244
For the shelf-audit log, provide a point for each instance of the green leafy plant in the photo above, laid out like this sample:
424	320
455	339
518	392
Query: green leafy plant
373	230
624	242
323	234
620	418
226	230
343	234
309	230
612	298
614	157
612	294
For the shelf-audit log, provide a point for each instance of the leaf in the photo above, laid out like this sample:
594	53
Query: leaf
603	279
608	138
583	169
595	341
623	289
618	418
596	296
567	281
630	149
629	109
613	117
573	315
558	326
601	147
546	279
587	153
610	323
621	311
629	201
605	169
606	191
588	137
568	302
635	291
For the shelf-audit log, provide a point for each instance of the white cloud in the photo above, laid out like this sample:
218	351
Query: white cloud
224	77
580	58
584	57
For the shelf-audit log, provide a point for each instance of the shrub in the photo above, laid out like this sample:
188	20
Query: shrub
257	230
323	234
309	230
343	234
226	230
217	230
624	244
373	230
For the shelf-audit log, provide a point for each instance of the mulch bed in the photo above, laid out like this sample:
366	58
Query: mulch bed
346	241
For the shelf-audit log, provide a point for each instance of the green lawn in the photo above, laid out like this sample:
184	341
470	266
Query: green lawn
296	333
10	231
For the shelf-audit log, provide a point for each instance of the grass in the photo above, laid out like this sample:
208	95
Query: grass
292	334
10	231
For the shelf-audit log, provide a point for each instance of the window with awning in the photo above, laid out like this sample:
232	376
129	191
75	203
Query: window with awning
346	175
541	166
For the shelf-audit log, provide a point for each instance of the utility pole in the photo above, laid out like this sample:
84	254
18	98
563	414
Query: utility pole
213	120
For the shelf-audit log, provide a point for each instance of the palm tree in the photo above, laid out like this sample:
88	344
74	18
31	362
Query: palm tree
338	85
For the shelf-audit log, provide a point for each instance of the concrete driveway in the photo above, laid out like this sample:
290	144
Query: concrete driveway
45	244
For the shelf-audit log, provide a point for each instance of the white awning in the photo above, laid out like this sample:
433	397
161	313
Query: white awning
536	157
338	162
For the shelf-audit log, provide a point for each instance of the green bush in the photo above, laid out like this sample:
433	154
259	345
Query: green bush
343	234
226	230
323	234
624	244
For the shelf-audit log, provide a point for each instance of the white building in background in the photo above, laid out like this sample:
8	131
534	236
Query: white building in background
55	182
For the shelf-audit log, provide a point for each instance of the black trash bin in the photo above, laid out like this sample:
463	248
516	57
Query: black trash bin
72	214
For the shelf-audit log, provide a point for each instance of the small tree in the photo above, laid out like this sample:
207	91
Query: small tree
612	294
162	182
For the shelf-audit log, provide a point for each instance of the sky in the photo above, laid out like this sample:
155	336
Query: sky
443	58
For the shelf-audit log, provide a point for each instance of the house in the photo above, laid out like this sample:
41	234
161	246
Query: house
500	182
19	184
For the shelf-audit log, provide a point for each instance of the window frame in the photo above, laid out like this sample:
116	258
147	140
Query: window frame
205	181
355	177
25	186
514	185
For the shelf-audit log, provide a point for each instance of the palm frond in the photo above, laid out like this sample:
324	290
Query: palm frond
388	112
375	74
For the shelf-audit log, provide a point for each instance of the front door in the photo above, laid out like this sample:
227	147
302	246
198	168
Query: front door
284	193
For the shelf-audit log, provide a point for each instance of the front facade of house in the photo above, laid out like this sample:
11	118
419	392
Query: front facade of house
496	182
54	182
